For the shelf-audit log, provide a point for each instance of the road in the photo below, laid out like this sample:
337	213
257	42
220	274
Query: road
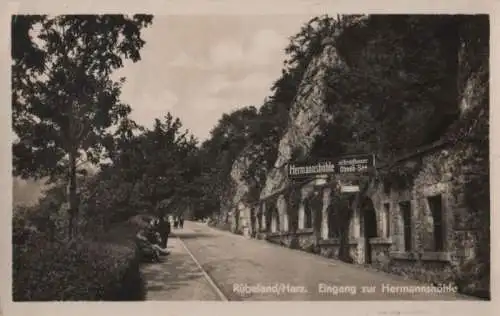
208	264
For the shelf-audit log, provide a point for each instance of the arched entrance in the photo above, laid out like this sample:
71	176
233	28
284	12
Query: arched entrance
269	218
369	226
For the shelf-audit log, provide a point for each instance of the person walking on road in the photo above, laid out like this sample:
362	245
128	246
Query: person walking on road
181	222
164	229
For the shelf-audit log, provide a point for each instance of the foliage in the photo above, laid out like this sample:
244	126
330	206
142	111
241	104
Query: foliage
150	170
96	266
66	99
398	90
63	98
471	138
63	94
217	156
81	270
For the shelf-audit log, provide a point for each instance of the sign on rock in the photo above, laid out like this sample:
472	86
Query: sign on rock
354	165
349	188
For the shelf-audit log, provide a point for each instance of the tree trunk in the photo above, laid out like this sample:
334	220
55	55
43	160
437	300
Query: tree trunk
73	198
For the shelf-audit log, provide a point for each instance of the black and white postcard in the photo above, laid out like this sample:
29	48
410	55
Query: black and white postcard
223	152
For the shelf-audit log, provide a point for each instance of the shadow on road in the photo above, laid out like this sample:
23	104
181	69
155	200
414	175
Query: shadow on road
191	235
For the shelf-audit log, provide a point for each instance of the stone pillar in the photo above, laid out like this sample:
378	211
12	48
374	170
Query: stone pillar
326	202
233	219
256	221
263	210
355	233
305	192
355	224
282	211
301	214
274	226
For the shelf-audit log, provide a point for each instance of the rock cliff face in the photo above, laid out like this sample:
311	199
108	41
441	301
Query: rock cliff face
307	112
239	205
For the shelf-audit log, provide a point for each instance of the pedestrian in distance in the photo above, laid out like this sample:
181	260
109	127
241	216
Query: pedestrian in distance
164	229
181	222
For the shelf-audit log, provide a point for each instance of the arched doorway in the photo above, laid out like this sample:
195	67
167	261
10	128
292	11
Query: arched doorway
268	220
340	216
369	226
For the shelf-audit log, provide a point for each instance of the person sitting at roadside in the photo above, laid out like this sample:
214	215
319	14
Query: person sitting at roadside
148	244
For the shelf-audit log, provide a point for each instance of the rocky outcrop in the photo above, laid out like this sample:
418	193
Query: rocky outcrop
242	188
307	112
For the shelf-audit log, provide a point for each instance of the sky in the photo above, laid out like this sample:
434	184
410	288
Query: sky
199	67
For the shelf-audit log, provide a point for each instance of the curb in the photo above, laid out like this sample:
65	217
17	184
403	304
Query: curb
214	286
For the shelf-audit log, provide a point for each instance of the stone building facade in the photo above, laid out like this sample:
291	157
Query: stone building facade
421	230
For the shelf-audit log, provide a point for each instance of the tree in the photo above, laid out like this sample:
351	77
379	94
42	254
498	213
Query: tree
232	134
156	165
63	97
149	171
170	164
258	133
398	91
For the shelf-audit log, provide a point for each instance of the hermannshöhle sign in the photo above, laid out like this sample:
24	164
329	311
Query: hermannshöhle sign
343	165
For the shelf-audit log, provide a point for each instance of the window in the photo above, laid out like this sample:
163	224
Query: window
387	215
436	207
405	208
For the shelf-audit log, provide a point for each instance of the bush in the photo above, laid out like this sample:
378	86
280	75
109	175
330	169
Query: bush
473	278
105	267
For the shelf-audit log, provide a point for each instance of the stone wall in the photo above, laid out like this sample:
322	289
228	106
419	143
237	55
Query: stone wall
330	248
437	176
302	239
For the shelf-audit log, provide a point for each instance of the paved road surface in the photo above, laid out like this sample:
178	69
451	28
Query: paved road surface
177	278
217	261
